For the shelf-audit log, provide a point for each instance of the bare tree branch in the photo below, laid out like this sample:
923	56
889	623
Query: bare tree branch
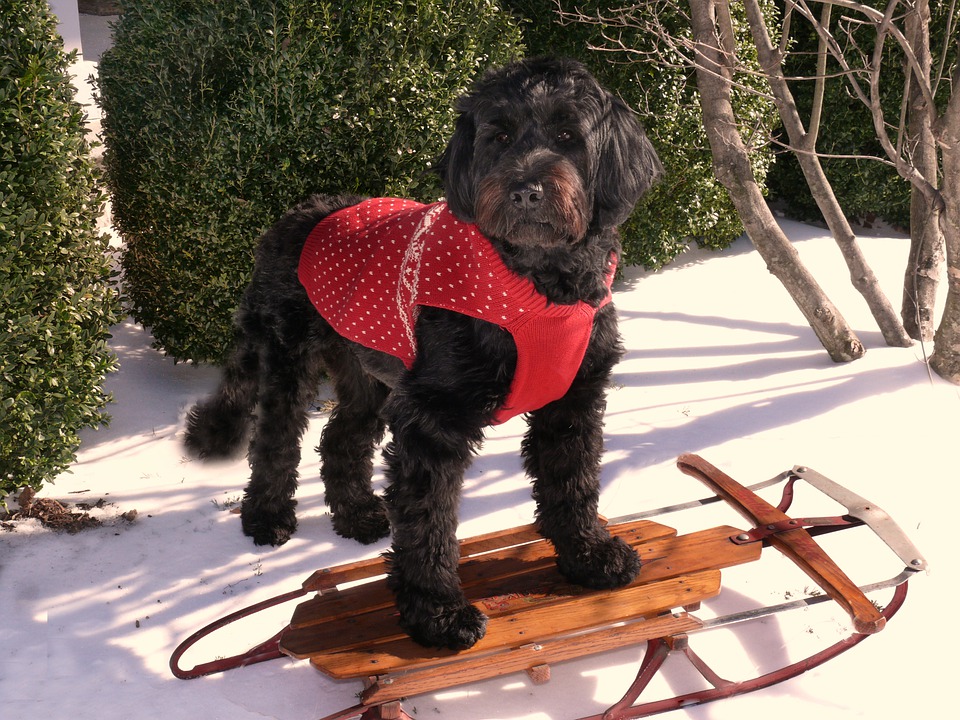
732	168
831	156
949	33
814	128
861	276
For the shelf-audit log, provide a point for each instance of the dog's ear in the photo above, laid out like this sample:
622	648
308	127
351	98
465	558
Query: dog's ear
455	167
628	166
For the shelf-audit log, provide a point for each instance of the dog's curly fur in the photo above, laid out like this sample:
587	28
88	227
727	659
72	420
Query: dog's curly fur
547	164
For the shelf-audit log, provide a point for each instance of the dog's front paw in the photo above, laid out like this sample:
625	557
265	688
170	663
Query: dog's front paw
268	528
456	626
366	522
605	564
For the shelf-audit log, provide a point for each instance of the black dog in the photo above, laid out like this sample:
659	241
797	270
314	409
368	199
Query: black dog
545	163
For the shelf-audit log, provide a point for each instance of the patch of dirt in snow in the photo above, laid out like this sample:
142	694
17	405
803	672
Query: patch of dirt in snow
56	515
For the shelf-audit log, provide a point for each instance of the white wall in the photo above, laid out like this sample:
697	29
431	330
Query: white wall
69	17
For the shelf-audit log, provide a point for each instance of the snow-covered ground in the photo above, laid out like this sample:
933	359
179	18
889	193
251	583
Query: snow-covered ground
719	362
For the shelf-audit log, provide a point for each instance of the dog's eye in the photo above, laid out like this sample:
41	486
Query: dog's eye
564	137
502	138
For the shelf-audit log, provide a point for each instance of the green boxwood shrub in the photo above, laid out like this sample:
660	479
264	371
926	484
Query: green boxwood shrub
220	115
57	299
689	203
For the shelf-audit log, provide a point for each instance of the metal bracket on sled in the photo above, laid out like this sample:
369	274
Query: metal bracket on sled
866	512
859	512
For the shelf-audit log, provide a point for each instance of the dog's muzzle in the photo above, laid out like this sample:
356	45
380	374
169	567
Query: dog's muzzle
546	206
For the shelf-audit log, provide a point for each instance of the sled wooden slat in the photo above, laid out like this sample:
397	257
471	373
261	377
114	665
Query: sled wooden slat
396	685
514	617
570	615
355	632
483	559
363	569
526	574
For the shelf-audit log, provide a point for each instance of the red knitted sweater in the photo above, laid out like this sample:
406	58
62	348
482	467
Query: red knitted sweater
368	267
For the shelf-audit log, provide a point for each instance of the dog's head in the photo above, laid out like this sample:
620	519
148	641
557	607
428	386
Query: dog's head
542	154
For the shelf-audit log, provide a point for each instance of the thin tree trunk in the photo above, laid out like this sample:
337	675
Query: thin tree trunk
945	359
926	243
861	275
732	168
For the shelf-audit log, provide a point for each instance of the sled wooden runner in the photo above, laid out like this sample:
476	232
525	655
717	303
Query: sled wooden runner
349	629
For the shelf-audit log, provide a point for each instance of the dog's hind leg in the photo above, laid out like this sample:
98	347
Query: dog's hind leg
290	372
346	448
218	426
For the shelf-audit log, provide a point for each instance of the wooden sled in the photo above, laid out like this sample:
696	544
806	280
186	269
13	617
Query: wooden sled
349	629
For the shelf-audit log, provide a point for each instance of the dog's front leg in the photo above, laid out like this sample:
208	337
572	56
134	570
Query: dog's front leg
562	454
562	451
426	460
437	415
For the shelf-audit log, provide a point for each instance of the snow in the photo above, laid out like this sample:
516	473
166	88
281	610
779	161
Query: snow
719	362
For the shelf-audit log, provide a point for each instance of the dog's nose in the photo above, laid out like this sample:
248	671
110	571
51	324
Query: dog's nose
527	197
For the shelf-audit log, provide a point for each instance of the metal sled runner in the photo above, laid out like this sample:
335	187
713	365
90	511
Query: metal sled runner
536	618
